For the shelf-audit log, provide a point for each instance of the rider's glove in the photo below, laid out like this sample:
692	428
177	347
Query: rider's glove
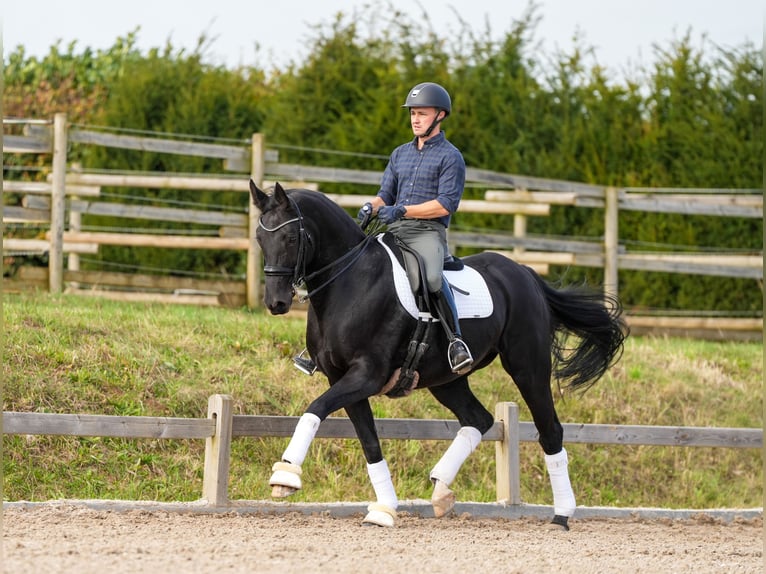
390	213
364	213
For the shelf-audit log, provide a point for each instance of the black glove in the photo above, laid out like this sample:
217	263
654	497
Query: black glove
390	213
365	213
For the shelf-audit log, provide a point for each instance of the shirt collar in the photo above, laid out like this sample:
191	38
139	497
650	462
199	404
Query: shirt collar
437	139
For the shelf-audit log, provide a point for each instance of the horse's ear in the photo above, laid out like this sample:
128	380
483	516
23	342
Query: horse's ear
280	195
259	198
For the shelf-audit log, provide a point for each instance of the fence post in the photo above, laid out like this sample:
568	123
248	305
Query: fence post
507	470
75	224
215	482
257	169
519	229
58	192
611	240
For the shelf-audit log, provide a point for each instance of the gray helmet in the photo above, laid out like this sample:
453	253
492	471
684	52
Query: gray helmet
429	95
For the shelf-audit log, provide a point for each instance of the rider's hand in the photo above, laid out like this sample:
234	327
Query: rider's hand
390	213
364	213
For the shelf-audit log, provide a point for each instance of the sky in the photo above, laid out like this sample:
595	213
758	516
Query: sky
622	32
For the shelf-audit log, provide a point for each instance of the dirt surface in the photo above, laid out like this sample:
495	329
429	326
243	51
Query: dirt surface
61	538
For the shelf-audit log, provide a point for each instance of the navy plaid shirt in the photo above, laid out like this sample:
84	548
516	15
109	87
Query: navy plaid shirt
415	176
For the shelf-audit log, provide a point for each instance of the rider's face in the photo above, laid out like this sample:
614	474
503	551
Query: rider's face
421	119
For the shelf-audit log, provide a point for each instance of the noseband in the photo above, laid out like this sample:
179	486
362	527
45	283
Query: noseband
299	271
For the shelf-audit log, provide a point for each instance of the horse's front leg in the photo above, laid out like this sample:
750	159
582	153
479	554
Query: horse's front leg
383	511
351	392
286	473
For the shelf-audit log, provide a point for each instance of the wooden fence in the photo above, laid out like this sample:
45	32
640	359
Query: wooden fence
76	194
221	426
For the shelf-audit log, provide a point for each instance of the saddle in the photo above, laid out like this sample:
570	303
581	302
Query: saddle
472	295
405	379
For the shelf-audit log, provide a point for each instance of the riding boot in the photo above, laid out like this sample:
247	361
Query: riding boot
458	354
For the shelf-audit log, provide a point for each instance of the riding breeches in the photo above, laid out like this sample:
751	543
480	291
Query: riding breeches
429	239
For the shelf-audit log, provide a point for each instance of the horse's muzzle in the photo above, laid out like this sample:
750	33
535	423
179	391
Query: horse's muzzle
279	307
278	301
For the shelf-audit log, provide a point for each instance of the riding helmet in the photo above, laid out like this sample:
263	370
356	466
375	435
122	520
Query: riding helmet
429	95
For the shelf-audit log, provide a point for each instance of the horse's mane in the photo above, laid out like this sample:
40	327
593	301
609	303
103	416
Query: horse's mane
315	203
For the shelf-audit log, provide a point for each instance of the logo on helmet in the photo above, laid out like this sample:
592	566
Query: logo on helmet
414	93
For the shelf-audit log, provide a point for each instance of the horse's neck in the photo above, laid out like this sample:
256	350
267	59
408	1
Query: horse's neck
333	257
337	263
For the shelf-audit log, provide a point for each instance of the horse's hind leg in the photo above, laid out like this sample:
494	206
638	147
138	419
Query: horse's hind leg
531	371
475	420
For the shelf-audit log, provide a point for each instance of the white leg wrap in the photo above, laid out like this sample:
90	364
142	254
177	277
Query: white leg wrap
466	441
302	436
563	498
380	477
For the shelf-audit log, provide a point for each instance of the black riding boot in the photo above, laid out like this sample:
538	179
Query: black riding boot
460	359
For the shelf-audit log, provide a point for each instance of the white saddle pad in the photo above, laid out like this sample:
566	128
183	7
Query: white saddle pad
476	305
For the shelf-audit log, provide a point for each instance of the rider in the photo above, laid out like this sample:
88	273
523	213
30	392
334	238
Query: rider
420	190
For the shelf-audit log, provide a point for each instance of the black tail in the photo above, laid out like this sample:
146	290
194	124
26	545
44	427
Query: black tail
596	320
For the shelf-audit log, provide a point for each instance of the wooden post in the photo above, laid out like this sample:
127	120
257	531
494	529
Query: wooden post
253	249
519	231
611	240
58	193
75	224
507	471
215	482
519	227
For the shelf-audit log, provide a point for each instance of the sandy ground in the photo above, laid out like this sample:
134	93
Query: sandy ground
65	538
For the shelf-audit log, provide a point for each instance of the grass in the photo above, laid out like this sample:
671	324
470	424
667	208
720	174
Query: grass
78	355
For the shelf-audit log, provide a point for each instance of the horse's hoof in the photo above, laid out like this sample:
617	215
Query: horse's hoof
285	480
443	499
379	515
559	522
281	491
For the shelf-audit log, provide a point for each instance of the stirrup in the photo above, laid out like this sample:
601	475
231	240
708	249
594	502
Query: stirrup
464	365
304	364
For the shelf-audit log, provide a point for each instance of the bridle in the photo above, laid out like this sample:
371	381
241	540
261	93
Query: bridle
298	272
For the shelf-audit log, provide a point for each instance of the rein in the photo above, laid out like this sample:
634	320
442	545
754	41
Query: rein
299	270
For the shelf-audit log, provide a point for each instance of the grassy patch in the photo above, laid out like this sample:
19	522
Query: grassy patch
79	355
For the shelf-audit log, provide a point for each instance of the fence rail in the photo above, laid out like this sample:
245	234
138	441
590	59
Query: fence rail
221	426
73	193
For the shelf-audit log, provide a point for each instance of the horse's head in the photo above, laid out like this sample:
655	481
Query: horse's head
284	242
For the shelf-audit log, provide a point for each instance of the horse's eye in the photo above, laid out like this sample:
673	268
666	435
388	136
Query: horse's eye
292	239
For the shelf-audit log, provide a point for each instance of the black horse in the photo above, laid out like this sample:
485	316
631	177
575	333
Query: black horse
359	334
